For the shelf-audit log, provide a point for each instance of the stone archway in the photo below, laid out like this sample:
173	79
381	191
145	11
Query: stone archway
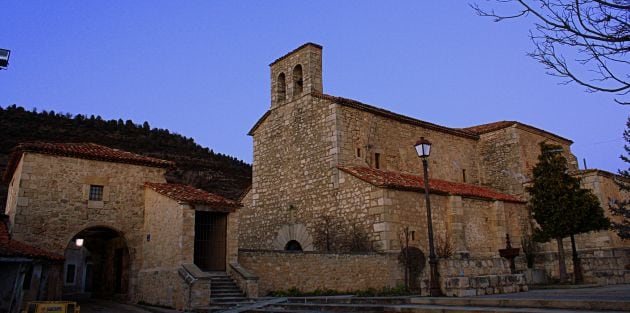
293	232
97	264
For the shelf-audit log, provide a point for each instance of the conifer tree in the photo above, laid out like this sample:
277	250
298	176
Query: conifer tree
622	207
560	206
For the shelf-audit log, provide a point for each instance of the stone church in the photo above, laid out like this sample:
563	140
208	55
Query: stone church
319	157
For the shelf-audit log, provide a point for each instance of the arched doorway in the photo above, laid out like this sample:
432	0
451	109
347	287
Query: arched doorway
97	264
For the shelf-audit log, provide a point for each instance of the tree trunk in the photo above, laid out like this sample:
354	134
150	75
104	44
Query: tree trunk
577	267
562	267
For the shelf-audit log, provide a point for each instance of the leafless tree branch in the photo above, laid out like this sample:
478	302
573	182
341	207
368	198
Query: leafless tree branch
595	33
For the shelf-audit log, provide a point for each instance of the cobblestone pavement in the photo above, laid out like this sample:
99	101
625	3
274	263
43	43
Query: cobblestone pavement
604	293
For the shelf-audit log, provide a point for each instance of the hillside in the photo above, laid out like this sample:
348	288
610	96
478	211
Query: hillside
196	165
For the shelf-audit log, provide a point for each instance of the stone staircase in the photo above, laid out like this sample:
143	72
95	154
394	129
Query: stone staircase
224	294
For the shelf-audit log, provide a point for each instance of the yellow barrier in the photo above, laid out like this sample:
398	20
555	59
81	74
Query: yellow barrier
52	307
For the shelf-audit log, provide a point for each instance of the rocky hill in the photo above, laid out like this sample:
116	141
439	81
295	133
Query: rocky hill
196	165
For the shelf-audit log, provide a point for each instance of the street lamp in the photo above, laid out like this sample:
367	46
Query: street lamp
4	58
423	148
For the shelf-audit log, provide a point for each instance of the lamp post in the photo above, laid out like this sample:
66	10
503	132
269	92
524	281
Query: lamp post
423	148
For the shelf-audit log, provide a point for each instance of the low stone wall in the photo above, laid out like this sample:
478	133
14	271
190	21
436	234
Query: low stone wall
601	266
309	271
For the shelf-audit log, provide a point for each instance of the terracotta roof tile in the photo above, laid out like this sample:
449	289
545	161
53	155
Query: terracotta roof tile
14	248
189	194
90	151
404	181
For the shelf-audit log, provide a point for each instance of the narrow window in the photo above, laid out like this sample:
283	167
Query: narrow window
358	152
96	193
282	87
413	235
293	245
298	83
70	271
377	160
464	175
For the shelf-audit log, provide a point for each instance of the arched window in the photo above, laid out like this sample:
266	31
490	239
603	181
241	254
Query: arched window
282	87
293	245
298	83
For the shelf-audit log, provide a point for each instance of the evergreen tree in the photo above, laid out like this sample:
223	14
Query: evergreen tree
560	206
622	207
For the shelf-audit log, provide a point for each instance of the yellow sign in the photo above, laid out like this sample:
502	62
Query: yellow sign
52	307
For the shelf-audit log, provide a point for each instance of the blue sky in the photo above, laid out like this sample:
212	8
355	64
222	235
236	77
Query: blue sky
200	68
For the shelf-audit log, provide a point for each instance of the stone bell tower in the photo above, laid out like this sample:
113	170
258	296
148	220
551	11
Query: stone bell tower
295	74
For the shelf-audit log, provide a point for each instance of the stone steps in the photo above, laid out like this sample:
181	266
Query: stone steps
224	294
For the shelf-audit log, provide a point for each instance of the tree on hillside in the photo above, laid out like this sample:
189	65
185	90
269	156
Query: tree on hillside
622	207
560	206
596	33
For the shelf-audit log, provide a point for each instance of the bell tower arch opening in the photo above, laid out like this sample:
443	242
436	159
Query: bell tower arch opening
97	264
297	73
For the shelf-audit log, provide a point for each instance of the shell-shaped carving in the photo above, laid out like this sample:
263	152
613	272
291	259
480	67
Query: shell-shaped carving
295	232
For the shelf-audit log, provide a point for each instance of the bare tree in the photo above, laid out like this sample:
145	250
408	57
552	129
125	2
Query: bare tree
595	33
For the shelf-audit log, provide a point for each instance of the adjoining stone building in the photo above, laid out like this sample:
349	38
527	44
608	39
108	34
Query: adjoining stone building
318	156
125	232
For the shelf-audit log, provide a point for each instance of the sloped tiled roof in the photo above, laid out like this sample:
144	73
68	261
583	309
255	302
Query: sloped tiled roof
490	127
381	112
90	151
405	181
14	248
495	126
192	195
294	50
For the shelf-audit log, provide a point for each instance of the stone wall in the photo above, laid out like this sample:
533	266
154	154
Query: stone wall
52	205
599	266
362	134
507	157
309	271
294	162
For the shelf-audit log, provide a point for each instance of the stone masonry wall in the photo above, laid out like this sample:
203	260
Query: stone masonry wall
508	156
309	271
394	141
52	202
171	227
294	162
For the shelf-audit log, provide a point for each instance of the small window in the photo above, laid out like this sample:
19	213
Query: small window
70	271
464	175
377	160
358	152
413	235
293	245
96	193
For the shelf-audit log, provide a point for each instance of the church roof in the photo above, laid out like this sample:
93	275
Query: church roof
411	182
192	195
495	126
90	151
381	112
14	248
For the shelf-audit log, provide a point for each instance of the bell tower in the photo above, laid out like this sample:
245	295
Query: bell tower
295	74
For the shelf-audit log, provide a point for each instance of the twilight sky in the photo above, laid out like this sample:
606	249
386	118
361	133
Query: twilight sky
200	68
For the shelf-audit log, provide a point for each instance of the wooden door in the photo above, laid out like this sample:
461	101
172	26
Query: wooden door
210	240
